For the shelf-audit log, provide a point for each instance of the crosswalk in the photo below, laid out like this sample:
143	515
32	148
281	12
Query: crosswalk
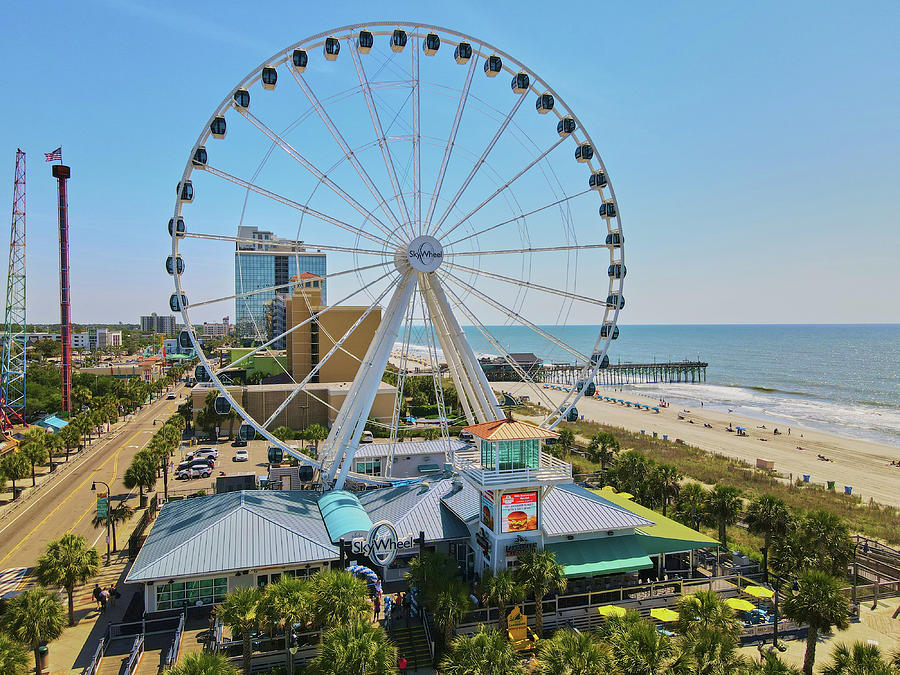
11	580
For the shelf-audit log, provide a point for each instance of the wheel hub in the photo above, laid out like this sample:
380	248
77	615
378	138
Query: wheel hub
423	254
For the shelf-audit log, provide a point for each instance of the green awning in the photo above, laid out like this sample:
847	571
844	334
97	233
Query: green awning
429	468
608	555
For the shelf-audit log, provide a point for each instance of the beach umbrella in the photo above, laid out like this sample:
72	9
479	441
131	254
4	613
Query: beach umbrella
611	610
664	614
759	592
740	604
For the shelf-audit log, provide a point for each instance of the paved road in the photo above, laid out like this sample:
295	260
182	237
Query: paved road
67	503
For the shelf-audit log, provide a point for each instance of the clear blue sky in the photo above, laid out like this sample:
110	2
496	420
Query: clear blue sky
754	146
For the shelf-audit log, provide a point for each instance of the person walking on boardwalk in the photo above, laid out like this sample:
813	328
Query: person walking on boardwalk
98	598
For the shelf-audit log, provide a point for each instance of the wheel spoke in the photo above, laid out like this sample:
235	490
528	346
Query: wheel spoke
379	134
519	217
526	284
428	323
516	317
291	242
309	166
274	196
451	141
312	318
519	251
478	164
417	141
345	148
278	287
503	187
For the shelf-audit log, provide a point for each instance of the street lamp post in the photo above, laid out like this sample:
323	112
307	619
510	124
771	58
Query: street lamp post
778	581
108	497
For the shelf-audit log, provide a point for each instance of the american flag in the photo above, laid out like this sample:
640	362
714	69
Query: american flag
54	156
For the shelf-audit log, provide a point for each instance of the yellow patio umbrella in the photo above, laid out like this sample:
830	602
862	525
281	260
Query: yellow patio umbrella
626	495
740	604
664	614
759	592
611	610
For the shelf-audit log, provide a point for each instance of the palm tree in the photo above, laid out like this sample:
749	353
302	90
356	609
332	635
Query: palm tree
70	437
715	652
358	647
68	562
15	467
539	573
450	605
141	474
819	603
566	441
35	618
283	433
499	590
81	396
705	609
36	453
603	448
641	650
54	444
571	653
287	603
121	513
770	517
203	663
666	481
690	505
771	664
339	598
13	656
427	570
487	652
315	433
240	612
858	659
723	506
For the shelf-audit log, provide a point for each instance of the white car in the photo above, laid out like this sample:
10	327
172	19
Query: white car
241	456
207	452
170	396
194	472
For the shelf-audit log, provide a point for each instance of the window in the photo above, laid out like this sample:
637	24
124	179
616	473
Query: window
187	593
371	467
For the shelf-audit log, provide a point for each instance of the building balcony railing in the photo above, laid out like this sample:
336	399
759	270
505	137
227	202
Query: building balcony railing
549	470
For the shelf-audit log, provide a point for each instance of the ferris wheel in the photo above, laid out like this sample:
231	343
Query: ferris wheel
452	194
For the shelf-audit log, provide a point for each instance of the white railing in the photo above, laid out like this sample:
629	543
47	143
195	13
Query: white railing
137	651
549	470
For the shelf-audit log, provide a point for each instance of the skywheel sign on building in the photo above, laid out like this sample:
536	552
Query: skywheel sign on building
382	544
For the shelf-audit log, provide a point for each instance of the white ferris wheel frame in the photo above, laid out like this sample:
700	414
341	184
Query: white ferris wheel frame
339	449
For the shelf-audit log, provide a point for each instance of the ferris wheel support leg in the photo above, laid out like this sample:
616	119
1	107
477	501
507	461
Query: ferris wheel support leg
464	390
485	395
343	440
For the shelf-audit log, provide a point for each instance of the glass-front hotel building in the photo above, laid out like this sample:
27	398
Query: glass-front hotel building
262	261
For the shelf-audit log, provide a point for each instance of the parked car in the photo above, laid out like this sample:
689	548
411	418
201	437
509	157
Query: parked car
241	456
466	436
239	443
367	437
207	452
194	472
197	463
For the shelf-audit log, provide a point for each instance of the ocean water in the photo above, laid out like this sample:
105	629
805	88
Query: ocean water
843	379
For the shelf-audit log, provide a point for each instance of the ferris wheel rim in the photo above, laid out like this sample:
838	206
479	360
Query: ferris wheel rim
316	40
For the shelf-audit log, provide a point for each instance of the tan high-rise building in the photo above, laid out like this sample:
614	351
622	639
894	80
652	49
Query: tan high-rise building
307	345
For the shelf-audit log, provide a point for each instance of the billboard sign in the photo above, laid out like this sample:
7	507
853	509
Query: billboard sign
102	506
487	510
382	544
518	512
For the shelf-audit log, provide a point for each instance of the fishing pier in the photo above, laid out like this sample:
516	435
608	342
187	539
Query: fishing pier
629	373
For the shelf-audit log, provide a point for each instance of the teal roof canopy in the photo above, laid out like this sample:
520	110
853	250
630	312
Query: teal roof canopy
343	514
601	556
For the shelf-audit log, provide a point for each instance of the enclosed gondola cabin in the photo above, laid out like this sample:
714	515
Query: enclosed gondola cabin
217	127
614	239
607	329
565	126
493	65
587	386
247	433
520	83
398	40
200	157
572	415
299	59
176	265
222	405
597	181
544	103
331	49
175	305
603	361
462	53
242	98
275	454
200	374
185	191
364	42
176	227
616	271
269	78
184	340
608	210
431	44
614	299
584	153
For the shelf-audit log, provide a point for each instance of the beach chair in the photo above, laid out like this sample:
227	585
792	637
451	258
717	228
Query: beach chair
520	635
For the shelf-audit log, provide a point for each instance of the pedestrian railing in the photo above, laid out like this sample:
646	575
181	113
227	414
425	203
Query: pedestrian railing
428	638
98	656
172	656
137	650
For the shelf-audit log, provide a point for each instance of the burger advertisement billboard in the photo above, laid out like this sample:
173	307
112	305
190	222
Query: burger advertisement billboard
518	512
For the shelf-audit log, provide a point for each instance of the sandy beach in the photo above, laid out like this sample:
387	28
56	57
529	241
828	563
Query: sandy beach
863	465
